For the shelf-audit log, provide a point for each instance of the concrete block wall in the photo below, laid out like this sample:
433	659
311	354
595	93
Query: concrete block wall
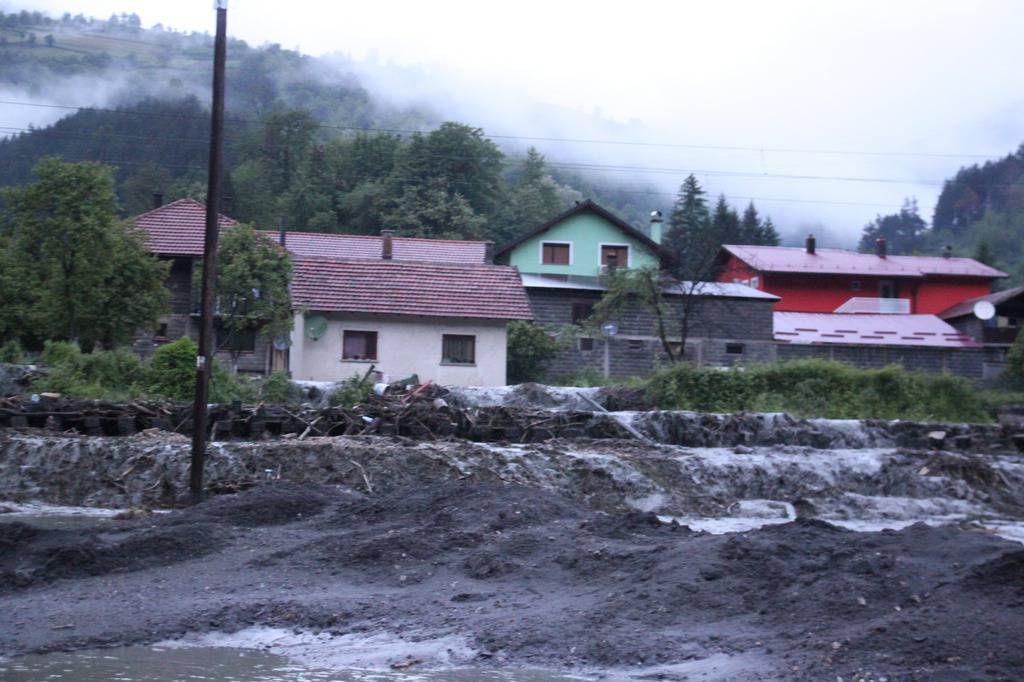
966	362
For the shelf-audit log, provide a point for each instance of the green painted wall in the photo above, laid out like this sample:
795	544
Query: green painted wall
586	232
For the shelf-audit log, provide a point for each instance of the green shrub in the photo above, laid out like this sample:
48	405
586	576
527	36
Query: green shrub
530	347
278	388
12	352
112	375
818	388
172	371
350	392
1015	359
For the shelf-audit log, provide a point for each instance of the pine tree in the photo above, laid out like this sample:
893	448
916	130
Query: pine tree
750	226
983	254
725	223
769	235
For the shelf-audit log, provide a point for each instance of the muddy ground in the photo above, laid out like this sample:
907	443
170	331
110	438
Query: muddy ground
531	577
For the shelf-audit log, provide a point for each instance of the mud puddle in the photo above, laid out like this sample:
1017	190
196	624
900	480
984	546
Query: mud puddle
227	664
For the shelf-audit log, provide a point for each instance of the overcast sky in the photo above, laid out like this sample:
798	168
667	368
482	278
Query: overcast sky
912	81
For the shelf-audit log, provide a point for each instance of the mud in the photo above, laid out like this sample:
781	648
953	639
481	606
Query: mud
531	577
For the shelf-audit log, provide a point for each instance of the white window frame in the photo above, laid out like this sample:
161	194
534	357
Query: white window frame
540	252
629	253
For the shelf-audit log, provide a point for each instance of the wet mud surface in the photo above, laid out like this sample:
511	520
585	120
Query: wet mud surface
527	576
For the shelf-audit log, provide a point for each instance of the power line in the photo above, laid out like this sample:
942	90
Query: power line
578	165
534	138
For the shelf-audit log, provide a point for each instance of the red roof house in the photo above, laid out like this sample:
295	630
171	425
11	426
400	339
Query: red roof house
432	307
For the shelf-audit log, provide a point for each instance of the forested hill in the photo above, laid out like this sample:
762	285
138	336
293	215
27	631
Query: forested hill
305	141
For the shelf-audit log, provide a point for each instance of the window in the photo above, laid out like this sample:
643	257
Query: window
855	285
635	344
358	345
734	348
887	289
554	253
241	341
161	331
581	310
614	256
458	349
755	282
586	344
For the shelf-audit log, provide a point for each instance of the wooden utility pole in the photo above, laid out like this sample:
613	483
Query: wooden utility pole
206	332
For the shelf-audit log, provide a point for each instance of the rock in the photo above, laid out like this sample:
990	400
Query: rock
936	439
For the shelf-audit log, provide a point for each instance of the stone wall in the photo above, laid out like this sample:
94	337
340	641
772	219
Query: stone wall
967	362
723	331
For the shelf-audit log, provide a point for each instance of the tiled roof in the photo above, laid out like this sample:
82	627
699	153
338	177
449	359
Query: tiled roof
409	288
967	307
843	262
176	229
348	246
868	330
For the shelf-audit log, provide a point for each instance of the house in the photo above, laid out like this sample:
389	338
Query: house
435	308
994	319
561	262
868	309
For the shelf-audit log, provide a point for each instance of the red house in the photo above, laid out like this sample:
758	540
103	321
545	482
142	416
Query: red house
814	280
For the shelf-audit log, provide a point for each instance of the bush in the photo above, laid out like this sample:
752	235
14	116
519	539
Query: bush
1015	359
529	349
818	388
172	372
350	392
112	375
12	352
278	388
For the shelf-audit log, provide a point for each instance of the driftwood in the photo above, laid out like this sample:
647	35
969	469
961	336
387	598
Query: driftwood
418	412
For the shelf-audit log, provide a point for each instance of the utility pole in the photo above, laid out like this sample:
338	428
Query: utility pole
205	359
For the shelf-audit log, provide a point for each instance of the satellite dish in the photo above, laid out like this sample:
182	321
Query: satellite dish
610	328
316	326
282	344
984	310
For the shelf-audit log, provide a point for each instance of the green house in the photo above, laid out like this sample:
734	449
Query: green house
580	242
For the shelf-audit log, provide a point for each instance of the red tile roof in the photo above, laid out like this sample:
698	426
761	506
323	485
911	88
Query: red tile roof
348	246
869	330
843	262
176	229
409	288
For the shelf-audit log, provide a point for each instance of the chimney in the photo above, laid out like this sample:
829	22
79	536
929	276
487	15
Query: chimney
158	199
284	232
947	252
488	252
812	244
386	243
656	227
880	245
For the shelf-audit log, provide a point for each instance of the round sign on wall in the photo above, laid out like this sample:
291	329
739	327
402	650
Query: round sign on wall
610	328
984	310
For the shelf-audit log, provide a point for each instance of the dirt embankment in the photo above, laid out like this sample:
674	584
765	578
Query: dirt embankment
528	576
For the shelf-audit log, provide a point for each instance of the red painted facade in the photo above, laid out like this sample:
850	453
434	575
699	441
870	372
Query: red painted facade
822	293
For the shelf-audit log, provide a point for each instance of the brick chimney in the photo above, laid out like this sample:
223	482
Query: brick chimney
812	244
283	231
880	247
488	252
386	243
947	252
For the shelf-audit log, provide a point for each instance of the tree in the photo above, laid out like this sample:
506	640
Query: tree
1015	358
903	231
643	286
436	212
533	200
83	275
252	294
530	347
689	236
725	223
983	254
769	235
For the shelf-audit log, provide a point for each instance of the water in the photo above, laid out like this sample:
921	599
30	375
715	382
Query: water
229	664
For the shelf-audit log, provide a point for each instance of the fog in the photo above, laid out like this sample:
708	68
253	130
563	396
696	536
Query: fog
825	114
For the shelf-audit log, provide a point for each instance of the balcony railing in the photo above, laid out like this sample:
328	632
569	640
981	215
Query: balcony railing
878	306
